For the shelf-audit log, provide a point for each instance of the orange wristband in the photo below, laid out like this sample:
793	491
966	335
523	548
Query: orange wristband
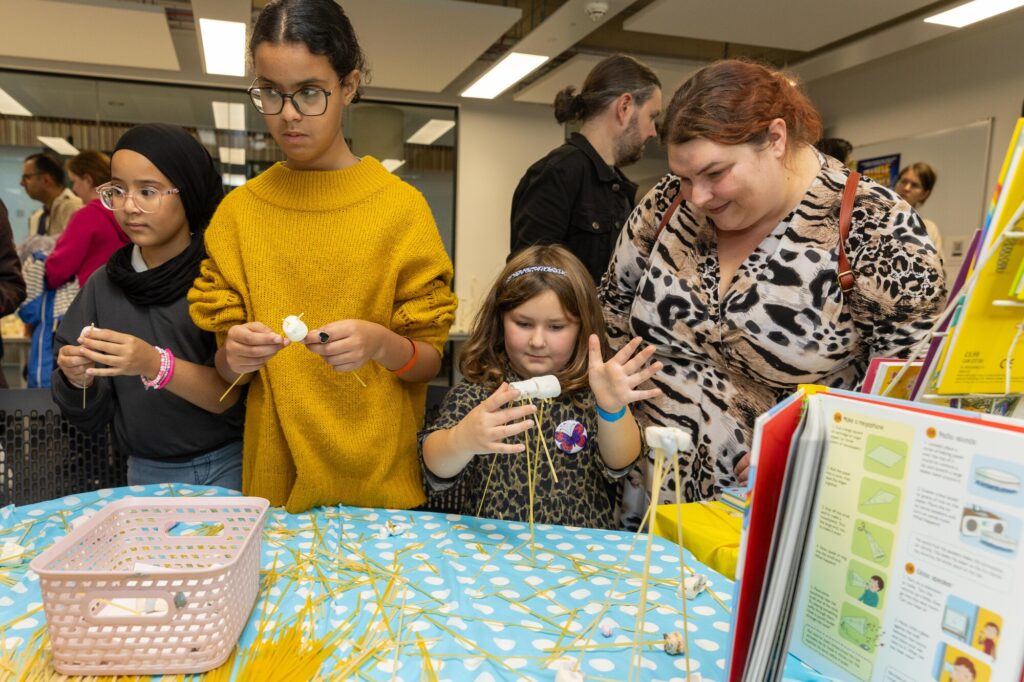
412	361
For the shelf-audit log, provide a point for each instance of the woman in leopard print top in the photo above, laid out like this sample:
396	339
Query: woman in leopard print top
739	291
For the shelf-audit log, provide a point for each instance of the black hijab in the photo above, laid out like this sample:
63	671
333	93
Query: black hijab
188	166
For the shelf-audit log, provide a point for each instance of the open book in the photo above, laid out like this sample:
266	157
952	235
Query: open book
895	549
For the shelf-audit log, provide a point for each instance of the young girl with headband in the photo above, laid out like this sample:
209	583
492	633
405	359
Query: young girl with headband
541	317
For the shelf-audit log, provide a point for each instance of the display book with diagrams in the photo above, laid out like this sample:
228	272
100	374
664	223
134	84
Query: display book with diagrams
883	543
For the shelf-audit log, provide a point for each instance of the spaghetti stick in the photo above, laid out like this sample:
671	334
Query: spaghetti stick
233	384
543	441
634	659
85	389
487	483
682	565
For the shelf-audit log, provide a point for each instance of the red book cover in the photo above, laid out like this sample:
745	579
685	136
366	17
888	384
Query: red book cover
772	439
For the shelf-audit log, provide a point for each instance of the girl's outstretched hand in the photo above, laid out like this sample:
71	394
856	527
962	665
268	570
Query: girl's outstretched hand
614	382
484	429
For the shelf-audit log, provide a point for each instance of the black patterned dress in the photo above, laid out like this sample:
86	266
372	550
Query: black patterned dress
586	488
783	320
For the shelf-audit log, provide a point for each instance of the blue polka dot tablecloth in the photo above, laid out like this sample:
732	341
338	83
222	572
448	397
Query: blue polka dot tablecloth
419	595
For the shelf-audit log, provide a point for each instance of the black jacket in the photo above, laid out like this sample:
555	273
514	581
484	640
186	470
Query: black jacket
572	197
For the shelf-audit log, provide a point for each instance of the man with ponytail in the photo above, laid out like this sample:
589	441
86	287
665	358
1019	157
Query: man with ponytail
577	195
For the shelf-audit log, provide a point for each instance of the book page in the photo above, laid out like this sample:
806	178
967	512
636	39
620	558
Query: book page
913	569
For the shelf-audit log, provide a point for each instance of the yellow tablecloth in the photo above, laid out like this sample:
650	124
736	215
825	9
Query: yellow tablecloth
711	531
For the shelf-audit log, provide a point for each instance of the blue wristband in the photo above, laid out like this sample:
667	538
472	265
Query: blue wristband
610	416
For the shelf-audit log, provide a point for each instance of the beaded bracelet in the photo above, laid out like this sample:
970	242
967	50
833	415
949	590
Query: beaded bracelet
412	361
163	376
170	370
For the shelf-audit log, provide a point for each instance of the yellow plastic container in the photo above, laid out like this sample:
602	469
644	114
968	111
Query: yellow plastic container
711	531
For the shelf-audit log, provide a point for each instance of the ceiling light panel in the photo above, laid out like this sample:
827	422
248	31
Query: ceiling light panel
59	145
431	131
973	12
223	47
229	115
233	156
221	27
10	106
503	75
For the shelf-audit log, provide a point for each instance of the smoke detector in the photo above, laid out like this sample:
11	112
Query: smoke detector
596	10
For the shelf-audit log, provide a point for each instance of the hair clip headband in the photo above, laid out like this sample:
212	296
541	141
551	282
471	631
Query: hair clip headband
535	268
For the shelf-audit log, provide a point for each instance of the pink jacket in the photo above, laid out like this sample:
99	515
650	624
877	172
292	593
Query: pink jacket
91	236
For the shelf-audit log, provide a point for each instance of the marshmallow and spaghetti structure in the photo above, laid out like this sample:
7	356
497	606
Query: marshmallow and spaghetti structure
544	389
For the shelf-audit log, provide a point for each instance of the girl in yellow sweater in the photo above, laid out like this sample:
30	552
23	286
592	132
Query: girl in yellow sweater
354	249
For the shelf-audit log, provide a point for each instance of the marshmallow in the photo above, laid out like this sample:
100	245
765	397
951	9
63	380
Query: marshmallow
543	387
674	644
668	438
696	584
294	328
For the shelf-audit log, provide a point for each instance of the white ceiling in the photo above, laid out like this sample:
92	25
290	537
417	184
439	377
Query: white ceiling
574	71
438	46
786	24
423	45
136	35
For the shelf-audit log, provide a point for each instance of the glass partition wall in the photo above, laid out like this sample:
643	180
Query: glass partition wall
416	142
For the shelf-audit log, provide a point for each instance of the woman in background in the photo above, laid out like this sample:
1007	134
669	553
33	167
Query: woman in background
915	185
92	234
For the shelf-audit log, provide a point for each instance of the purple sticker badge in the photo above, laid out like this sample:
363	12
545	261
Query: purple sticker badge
571	436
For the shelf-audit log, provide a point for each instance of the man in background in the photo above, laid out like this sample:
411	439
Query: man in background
43	179
577	195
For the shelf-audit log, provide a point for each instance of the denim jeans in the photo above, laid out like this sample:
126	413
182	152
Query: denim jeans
222	467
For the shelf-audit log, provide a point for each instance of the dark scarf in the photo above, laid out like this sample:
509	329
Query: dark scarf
188	166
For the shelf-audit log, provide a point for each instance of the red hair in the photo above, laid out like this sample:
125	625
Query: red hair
733	101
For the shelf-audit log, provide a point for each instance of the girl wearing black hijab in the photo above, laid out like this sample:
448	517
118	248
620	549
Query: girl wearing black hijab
127	351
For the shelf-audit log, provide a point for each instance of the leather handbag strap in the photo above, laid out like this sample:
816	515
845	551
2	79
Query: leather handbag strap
668	214
847	277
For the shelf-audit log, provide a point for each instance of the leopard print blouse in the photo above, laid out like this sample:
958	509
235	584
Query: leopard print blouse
586	489
783	320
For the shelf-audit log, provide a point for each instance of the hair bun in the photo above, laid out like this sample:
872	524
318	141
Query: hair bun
568	105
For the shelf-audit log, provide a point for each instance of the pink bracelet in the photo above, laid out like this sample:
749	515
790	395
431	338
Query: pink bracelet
166	370
170	370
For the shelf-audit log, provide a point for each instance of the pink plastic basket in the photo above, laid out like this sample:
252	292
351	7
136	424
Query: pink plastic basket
131	591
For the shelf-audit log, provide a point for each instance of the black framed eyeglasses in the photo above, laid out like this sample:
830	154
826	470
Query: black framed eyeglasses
308	101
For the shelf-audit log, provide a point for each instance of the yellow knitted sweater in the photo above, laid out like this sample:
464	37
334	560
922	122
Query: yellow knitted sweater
356	243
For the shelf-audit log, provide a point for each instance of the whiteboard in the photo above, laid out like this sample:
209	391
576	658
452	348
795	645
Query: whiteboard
960	157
